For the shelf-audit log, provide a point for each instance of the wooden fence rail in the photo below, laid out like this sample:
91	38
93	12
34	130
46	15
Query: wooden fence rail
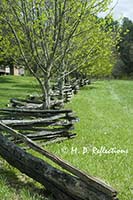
75	186
26	122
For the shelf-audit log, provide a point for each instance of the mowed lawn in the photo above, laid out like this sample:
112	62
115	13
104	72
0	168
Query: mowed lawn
105	109
16	86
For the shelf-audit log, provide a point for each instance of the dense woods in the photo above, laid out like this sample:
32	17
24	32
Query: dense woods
124	64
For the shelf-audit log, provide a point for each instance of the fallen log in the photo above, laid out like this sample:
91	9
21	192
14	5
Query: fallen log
81	187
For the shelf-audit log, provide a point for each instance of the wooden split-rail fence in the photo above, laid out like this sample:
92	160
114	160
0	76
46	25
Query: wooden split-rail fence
40	125
22	128
35	102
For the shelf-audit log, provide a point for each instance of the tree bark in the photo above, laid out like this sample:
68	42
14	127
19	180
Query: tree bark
11	68
46	99
63	185
79	186
61	82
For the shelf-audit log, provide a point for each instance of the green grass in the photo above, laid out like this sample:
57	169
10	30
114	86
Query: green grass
16	86
105	109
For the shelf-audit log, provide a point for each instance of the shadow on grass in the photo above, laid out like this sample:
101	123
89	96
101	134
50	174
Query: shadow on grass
26	85
9	89
89	87
18	89
14	182
6	79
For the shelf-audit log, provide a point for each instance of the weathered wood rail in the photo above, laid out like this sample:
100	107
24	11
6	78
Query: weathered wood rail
64	186
70	89
44	125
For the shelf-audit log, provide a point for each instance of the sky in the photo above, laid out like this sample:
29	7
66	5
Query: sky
124	8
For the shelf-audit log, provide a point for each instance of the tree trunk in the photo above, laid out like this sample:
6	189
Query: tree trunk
46	99
11	68
61	82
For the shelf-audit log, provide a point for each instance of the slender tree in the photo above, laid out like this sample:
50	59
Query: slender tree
49	35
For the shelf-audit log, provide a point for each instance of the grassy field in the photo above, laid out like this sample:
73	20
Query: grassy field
105	109
15	86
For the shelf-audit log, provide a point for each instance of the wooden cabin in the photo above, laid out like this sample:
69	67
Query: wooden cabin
16	71
3	72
